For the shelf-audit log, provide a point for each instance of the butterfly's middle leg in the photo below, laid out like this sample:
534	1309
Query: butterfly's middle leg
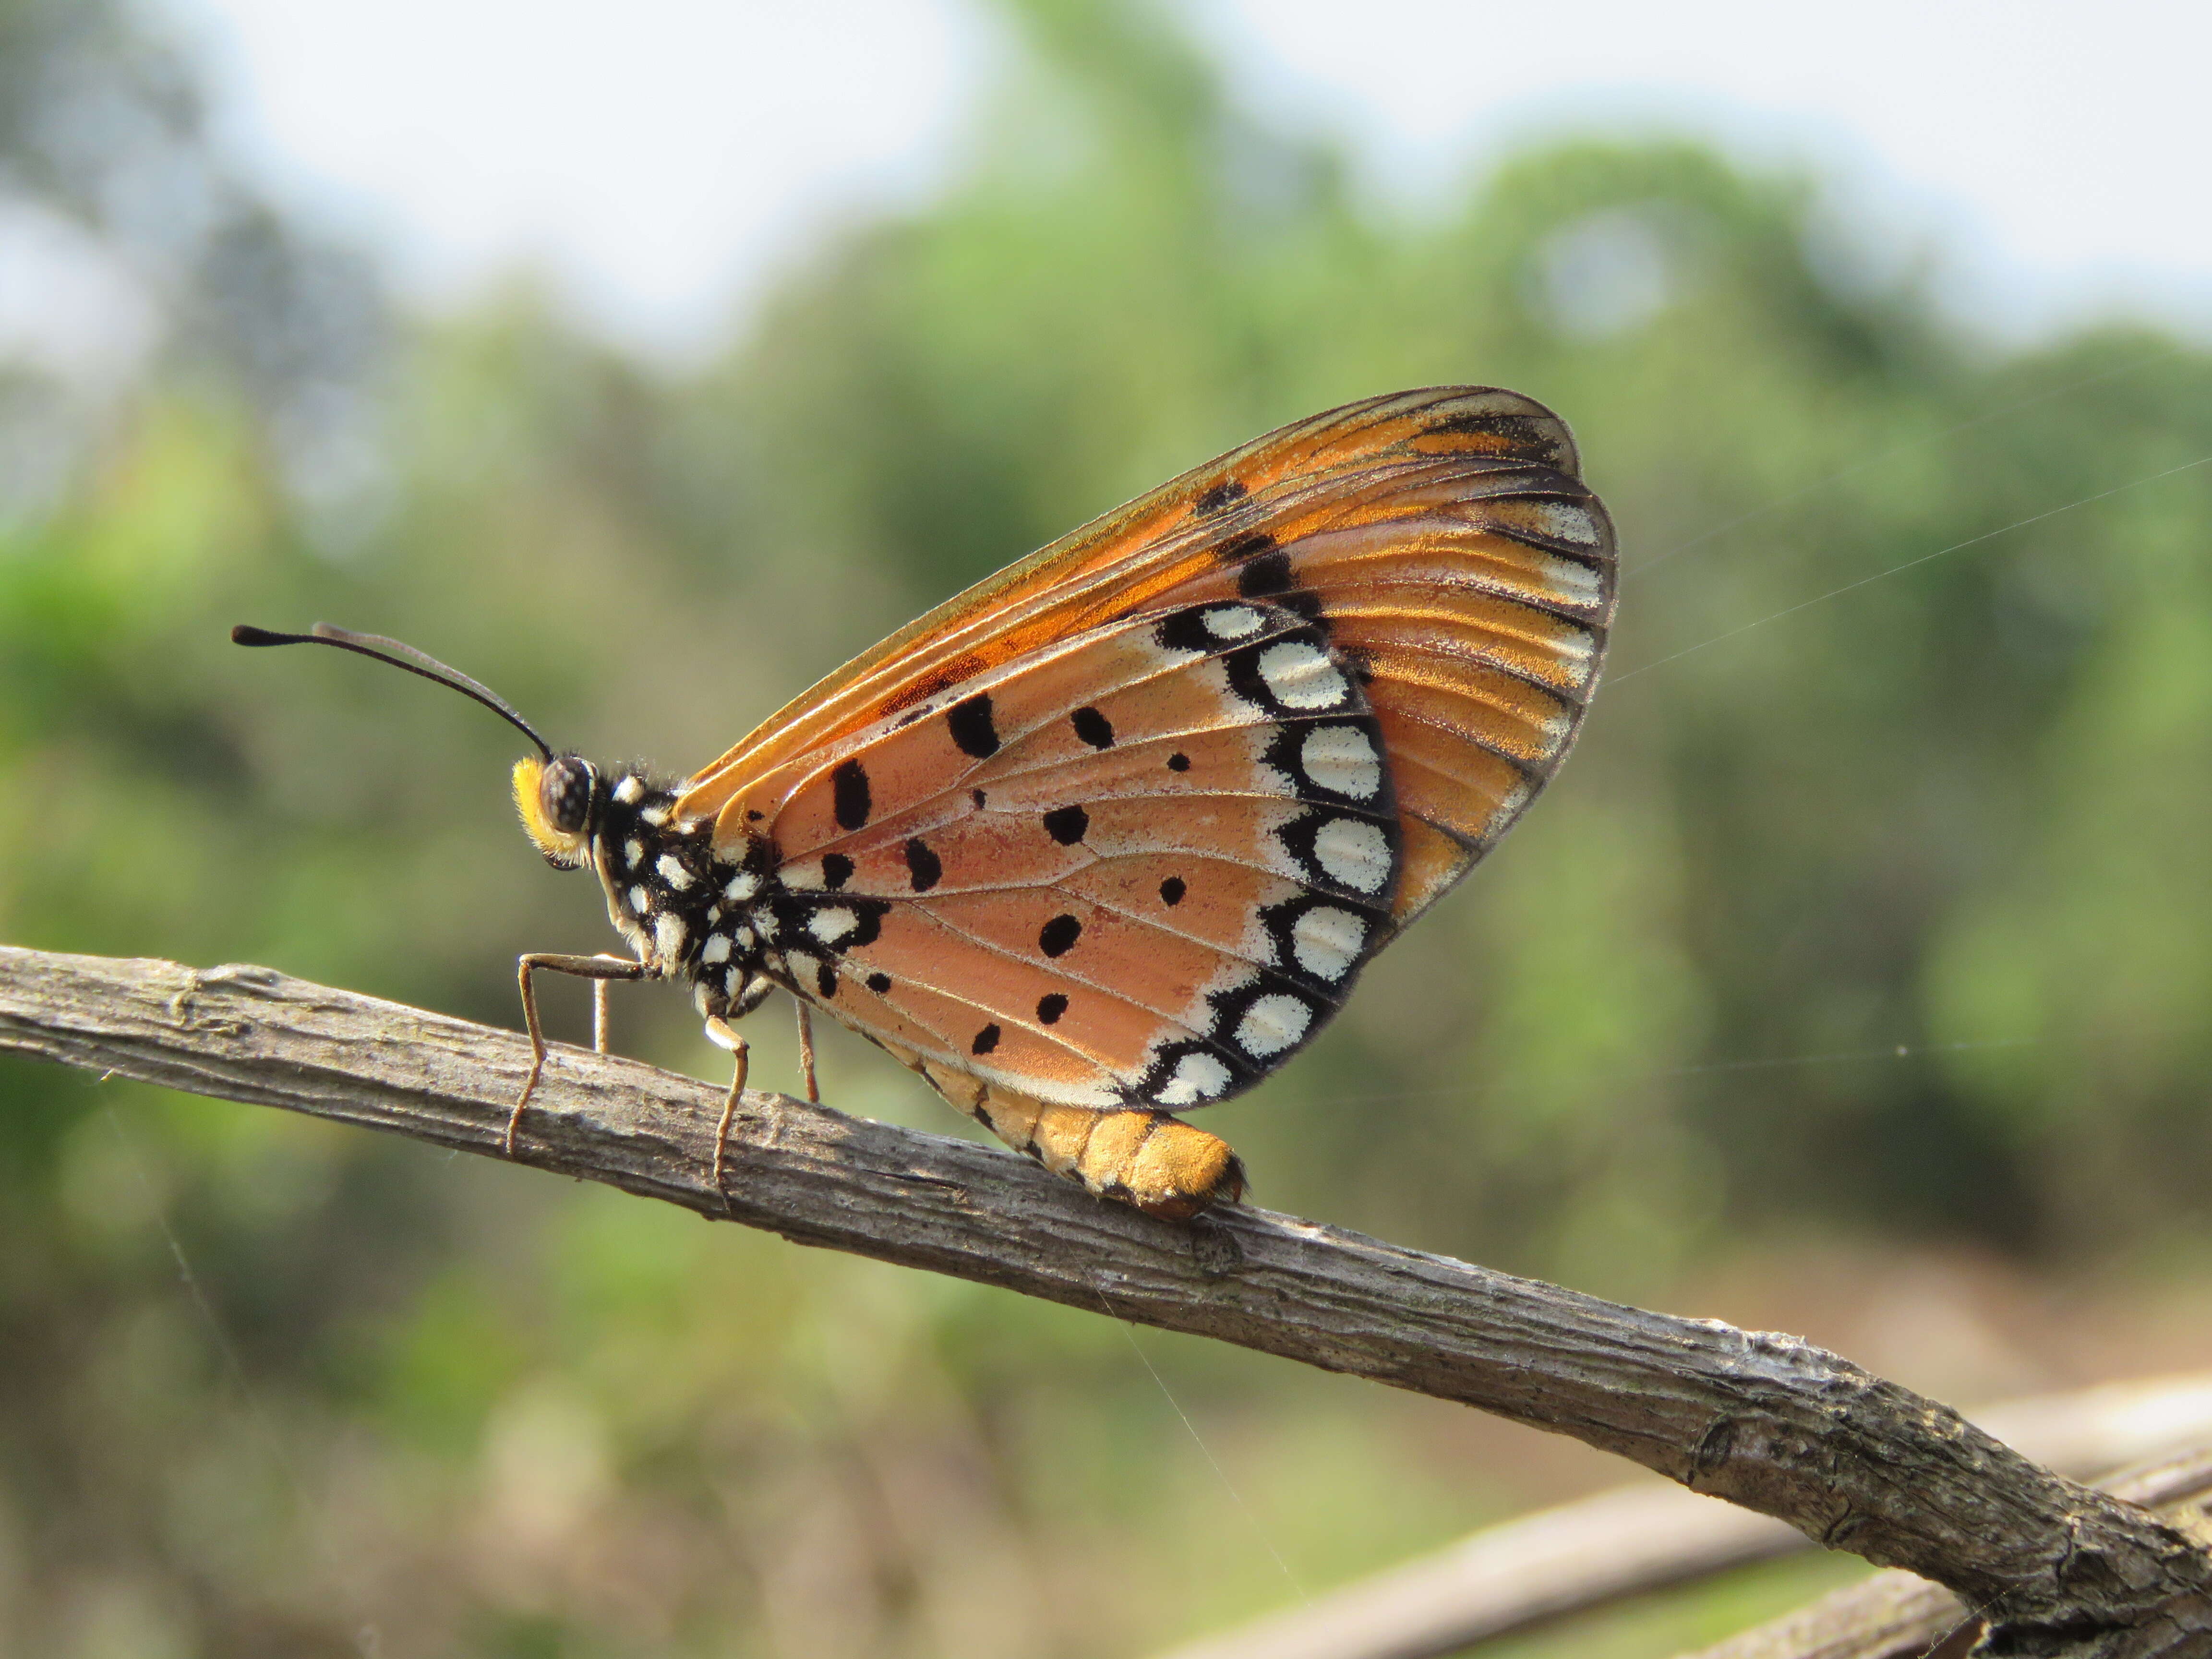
807	1052
600	969
724	1034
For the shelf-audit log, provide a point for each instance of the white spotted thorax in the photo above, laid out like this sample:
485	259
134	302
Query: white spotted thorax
690	911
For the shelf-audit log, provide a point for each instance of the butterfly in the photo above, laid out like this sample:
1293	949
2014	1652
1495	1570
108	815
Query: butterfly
1111	835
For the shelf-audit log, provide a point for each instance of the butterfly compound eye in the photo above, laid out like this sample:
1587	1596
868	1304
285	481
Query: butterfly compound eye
565	794
555	798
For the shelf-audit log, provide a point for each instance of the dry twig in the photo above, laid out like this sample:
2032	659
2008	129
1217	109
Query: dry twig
1539	1568
1896	1615
1765	1421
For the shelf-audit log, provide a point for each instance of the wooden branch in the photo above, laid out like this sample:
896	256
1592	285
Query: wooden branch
1535	1569
1898	1615
1763	1421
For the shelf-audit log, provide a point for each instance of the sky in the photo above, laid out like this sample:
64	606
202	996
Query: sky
658	162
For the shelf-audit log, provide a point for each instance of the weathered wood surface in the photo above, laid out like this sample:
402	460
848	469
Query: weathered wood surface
1762	1420
1536	1569
1897	1615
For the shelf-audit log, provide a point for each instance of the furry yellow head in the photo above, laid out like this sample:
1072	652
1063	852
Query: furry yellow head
556	798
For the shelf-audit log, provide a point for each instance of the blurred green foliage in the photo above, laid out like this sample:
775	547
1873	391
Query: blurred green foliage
1879	913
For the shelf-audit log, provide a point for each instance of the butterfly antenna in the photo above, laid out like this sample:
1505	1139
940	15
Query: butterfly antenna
398	655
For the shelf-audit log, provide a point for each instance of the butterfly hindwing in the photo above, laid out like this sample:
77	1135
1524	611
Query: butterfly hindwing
1303	688
1044	924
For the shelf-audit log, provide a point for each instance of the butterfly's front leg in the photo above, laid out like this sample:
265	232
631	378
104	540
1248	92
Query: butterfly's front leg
600	969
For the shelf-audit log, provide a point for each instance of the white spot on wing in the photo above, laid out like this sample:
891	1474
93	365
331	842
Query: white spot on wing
1301	675
1566	521
1198	1076
1232	622
1271	1024
831	925
1327	941
1576	580
1355	853
1340	758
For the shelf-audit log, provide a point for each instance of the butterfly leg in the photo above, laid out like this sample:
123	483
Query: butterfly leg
600	969
723	1034
807	1054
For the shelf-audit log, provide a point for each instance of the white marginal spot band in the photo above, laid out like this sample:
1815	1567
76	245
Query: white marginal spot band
1231	622
1327	941
1301	675
1355	853
1341	759
1198	1076
1271	1024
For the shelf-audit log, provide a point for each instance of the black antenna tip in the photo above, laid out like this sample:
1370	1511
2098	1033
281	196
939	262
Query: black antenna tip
247	634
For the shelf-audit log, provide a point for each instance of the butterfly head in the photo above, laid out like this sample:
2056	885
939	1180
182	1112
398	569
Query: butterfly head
560	800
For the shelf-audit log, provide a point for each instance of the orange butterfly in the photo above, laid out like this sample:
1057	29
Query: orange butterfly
1111	834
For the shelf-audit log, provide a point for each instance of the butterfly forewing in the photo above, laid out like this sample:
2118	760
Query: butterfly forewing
1121	825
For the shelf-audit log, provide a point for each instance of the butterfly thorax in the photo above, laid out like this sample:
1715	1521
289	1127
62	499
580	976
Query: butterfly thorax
721	918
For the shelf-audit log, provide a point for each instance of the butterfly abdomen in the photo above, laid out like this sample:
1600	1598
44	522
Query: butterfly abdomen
1161	1164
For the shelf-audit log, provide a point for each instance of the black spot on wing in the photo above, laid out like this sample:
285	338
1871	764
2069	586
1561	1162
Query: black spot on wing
1093	727
1057	937
985	1040
1255	545
1214	497
973	730
849	795
1186	630
879	983
837	870
1172	890
924	868
1050	1007
1066	824
1178	762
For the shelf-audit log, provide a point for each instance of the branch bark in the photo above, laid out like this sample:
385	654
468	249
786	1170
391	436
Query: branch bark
1763	1421
1896	1615
1533	1570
